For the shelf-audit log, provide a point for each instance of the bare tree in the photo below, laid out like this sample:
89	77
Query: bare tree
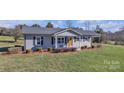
87	25
17	34
69	24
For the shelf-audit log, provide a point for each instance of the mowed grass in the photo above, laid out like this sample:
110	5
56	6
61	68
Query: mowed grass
108	58
8	41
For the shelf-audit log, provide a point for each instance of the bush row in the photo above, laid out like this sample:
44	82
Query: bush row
63	50
93	46
52	50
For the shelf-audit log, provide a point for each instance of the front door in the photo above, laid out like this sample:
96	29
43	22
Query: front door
70	42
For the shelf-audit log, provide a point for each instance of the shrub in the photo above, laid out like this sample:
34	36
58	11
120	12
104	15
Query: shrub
50	49
119	43
85	46
74	49
18	46
56	51
14	50
82	47
28	51
39	49
92	46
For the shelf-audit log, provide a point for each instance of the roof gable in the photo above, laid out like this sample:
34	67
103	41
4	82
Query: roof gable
66	33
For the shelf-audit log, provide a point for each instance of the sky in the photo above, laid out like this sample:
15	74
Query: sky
106	25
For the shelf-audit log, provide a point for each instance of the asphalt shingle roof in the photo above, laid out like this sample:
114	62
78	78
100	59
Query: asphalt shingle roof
36	30
85	32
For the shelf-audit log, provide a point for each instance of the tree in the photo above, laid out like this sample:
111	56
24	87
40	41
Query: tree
87	25
36	25
98	29
103	34
17	34
49	25
69	24
20	26
3	31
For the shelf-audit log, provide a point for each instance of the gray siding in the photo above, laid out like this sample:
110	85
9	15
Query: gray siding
29	43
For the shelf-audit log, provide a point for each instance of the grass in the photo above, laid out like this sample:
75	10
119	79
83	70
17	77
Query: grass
6	41
108	58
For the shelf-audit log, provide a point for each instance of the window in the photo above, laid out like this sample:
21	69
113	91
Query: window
60	40
39	40
85	38
81	37
76	39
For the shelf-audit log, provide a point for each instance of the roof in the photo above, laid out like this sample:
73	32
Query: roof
51	31
37	30
85	32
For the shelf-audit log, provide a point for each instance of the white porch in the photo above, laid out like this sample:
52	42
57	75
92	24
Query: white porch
67	41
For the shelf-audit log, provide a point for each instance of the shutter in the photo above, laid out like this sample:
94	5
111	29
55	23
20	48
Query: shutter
41	40
34	40
65	40
52	40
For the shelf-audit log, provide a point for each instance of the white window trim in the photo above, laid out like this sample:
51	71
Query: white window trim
40	40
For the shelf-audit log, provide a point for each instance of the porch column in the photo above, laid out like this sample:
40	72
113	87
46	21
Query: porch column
79	41
56	41
91	39
99	40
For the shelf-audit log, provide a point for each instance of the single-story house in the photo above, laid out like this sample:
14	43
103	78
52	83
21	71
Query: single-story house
35	37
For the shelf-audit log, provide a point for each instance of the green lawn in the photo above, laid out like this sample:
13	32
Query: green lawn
6	41
107	58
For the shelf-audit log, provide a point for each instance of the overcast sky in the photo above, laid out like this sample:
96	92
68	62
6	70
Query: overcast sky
107	25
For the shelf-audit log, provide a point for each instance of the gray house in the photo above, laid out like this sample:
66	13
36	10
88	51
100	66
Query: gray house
57	37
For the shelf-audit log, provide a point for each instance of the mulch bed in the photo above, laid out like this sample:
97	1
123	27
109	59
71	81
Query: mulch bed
61	51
